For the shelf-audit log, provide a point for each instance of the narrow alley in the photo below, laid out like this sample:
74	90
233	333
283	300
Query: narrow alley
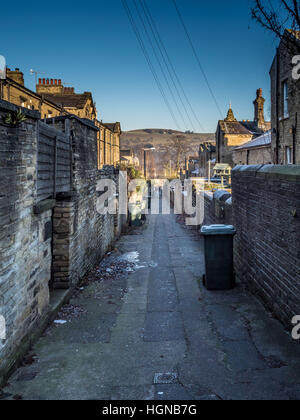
157	334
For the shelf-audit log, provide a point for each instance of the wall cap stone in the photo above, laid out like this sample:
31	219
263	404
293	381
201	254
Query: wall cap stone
221	195
9	107
248	168
286	170
208	195
82	121
228	202
276	171
44	206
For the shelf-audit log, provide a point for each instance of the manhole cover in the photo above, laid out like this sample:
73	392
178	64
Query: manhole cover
165	378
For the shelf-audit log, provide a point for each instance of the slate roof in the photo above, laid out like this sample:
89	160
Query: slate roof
233	128
76	100
252	126
262	141
114	127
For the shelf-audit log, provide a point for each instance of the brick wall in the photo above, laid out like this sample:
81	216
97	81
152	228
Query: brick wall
25	243
266	207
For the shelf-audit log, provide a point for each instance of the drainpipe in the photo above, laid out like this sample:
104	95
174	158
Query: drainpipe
294	138
277	106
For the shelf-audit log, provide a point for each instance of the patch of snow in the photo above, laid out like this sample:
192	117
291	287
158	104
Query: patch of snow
131	257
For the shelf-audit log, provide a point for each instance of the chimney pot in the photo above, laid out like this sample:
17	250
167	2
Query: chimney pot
51	81
40	81
44	81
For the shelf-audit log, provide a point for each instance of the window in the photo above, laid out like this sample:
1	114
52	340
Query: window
285	100
288	154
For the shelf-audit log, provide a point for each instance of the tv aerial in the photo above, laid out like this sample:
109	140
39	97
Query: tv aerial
36	72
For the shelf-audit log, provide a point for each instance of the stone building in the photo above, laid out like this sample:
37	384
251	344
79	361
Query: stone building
285	99
128	158
12	90
256	152
112	145
52	99
232	133
80	104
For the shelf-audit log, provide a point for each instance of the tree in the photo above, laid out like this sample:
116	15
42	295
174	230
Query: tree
277	18
178	150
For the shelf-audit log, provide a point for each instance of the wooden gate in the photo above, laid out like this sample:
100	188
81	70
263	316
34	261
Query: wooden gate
54	162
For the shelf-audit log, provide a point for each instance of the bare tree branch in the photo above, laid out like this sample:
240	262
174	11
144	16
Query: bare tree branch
277	21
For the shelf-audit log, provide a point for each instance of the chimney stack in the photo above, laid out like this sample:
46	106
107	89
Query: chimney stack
16	75
259	104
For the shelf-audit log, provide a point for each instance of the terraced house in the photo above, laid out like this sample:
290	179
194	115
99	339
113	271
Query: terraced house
53	99
285	94
13	90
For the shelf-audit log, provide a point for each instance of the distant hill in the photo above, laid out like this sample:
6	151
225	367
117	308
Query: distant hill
161	139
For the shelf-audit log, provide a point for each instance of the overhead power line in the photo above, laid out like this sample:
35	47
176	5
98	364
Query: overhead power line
159	62
197	57
163	51
148	59
144	7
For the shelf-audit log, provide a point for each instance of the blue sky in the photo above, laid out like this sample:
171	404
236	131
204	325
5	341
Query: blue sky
91	45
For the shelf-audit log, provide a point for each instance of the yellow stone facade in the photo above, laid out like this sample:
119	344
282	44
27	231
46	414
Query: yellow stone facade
13	90
52	99
108	143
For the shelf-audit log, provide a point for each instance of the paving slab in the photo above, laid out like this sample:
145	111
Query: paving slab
159	319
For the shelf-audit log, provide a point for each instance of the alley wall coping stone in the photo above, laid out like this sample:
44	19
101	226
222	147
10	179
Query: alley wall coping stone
9	107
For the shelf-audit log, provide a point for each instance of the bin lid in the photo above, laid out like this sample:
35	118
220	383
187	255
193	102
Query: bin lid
218	230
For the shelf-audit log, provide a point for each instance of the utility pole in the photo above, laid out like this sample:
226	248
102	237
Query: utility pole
146	148
277	107
145	163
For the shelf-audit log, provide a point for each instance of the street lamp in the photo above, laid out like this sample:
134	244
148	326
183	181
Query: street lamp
146	148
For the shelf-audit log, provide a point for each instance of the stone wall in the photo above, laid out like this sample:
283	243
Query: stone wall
81	235
253	156
265	209
266	206
55	241
25	237
217	208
